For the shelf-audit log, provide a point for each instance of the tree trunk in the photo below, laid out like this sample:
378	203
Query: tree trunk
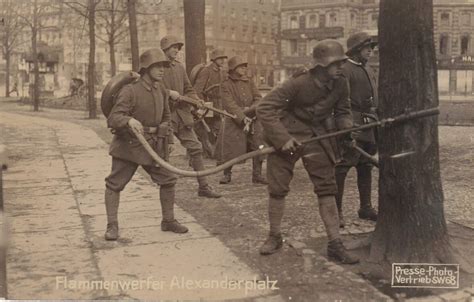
411	225
132	19
194	28
7	73
36	92
91	69
113	66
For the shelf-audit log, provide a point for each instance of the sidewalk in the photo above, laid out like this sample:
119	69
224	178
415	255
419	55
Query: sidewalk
54	204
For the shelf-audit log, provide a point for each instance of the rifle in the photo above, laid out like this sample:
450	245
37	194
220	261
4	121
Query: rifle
195	103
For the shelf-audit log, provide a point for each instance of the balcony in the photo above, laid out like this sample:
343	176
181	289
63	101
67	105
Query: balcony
318	33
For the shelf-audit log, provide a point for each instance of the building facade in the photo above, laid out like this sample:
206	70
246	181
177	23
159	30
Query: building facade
453	28
305	22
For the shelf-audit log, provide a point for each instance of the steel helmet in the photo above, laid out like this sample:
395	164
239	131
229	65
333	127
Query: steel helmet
152	56
357	41
168	41
217	53
328	51
236	61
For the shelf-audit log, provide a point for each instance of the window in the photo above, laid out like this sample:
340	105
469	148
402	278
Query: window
353	20
332	19
443	44
302	48
293	47
312	21
445	19
373	19
264	58
465	44
293	22
322	21
466	19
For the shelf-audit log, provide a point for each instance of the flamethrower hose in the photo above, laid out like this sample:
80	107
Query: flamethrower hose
267	150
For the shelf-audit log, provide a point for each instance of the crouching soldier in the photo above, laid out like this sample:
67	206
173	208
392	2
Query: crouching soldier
143	106
363	95
298	110
242	134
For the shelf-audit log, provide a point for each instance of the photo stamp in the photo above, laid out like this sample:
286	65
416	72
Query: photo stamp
424	275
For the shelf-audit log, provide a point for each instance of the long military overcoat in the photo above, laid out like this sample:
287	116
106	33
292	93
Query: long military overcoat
238	95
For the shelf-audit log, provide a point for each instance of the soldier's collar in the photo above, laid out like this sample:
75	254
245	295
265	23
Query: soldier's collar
235	77
355	62
215	66
148	85
328	84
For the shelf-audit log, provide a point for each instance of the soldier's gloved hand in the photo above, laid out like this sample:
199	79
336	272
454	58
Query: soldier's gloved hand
174	95
291	146
136	125
200	104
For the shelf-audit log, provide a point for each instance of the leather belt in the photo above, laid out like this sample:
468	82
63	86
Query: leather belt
150	129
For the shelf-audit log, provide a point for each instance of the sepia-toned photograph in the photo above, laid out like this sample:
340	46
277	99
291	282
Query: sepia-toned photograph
237	150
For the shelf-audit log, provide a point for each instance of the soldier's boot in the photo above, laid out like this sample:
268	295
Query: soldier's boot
364	184
274	242
257	177
338	252
227	177
329	215
112	200
340	181
205	189
169	223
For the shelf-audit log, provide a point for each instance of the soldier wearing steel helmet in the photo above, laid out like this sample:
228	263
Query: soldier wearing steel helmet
176	80
303	107
242	134
143	106
363	95
208	87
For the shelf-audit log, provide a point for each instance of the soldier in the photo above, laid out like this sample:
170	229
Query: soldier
182	120
303	107
208	86
143	106
363	96
240	96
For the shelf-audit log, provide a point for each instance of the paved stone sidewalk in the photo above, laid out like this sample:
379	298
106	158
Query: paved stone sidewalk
54	204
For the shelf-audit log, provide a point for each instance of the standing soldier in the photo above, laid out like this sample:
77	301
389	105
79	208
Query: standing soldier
307	105
208	86
240	97
143	106
363	95
182	120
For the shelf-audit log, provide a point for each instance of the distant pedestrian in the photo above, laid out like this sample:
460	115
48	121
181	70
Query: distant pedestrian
243	134
15	88
143	106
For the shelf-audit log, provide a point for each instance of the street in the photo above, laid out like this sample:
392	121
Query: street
54	205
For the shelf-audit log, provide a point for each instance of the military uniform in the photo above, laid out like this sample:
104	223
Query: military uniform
240	97
364	101
310	104
142	105
280	122
175	78
208	87
148	104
